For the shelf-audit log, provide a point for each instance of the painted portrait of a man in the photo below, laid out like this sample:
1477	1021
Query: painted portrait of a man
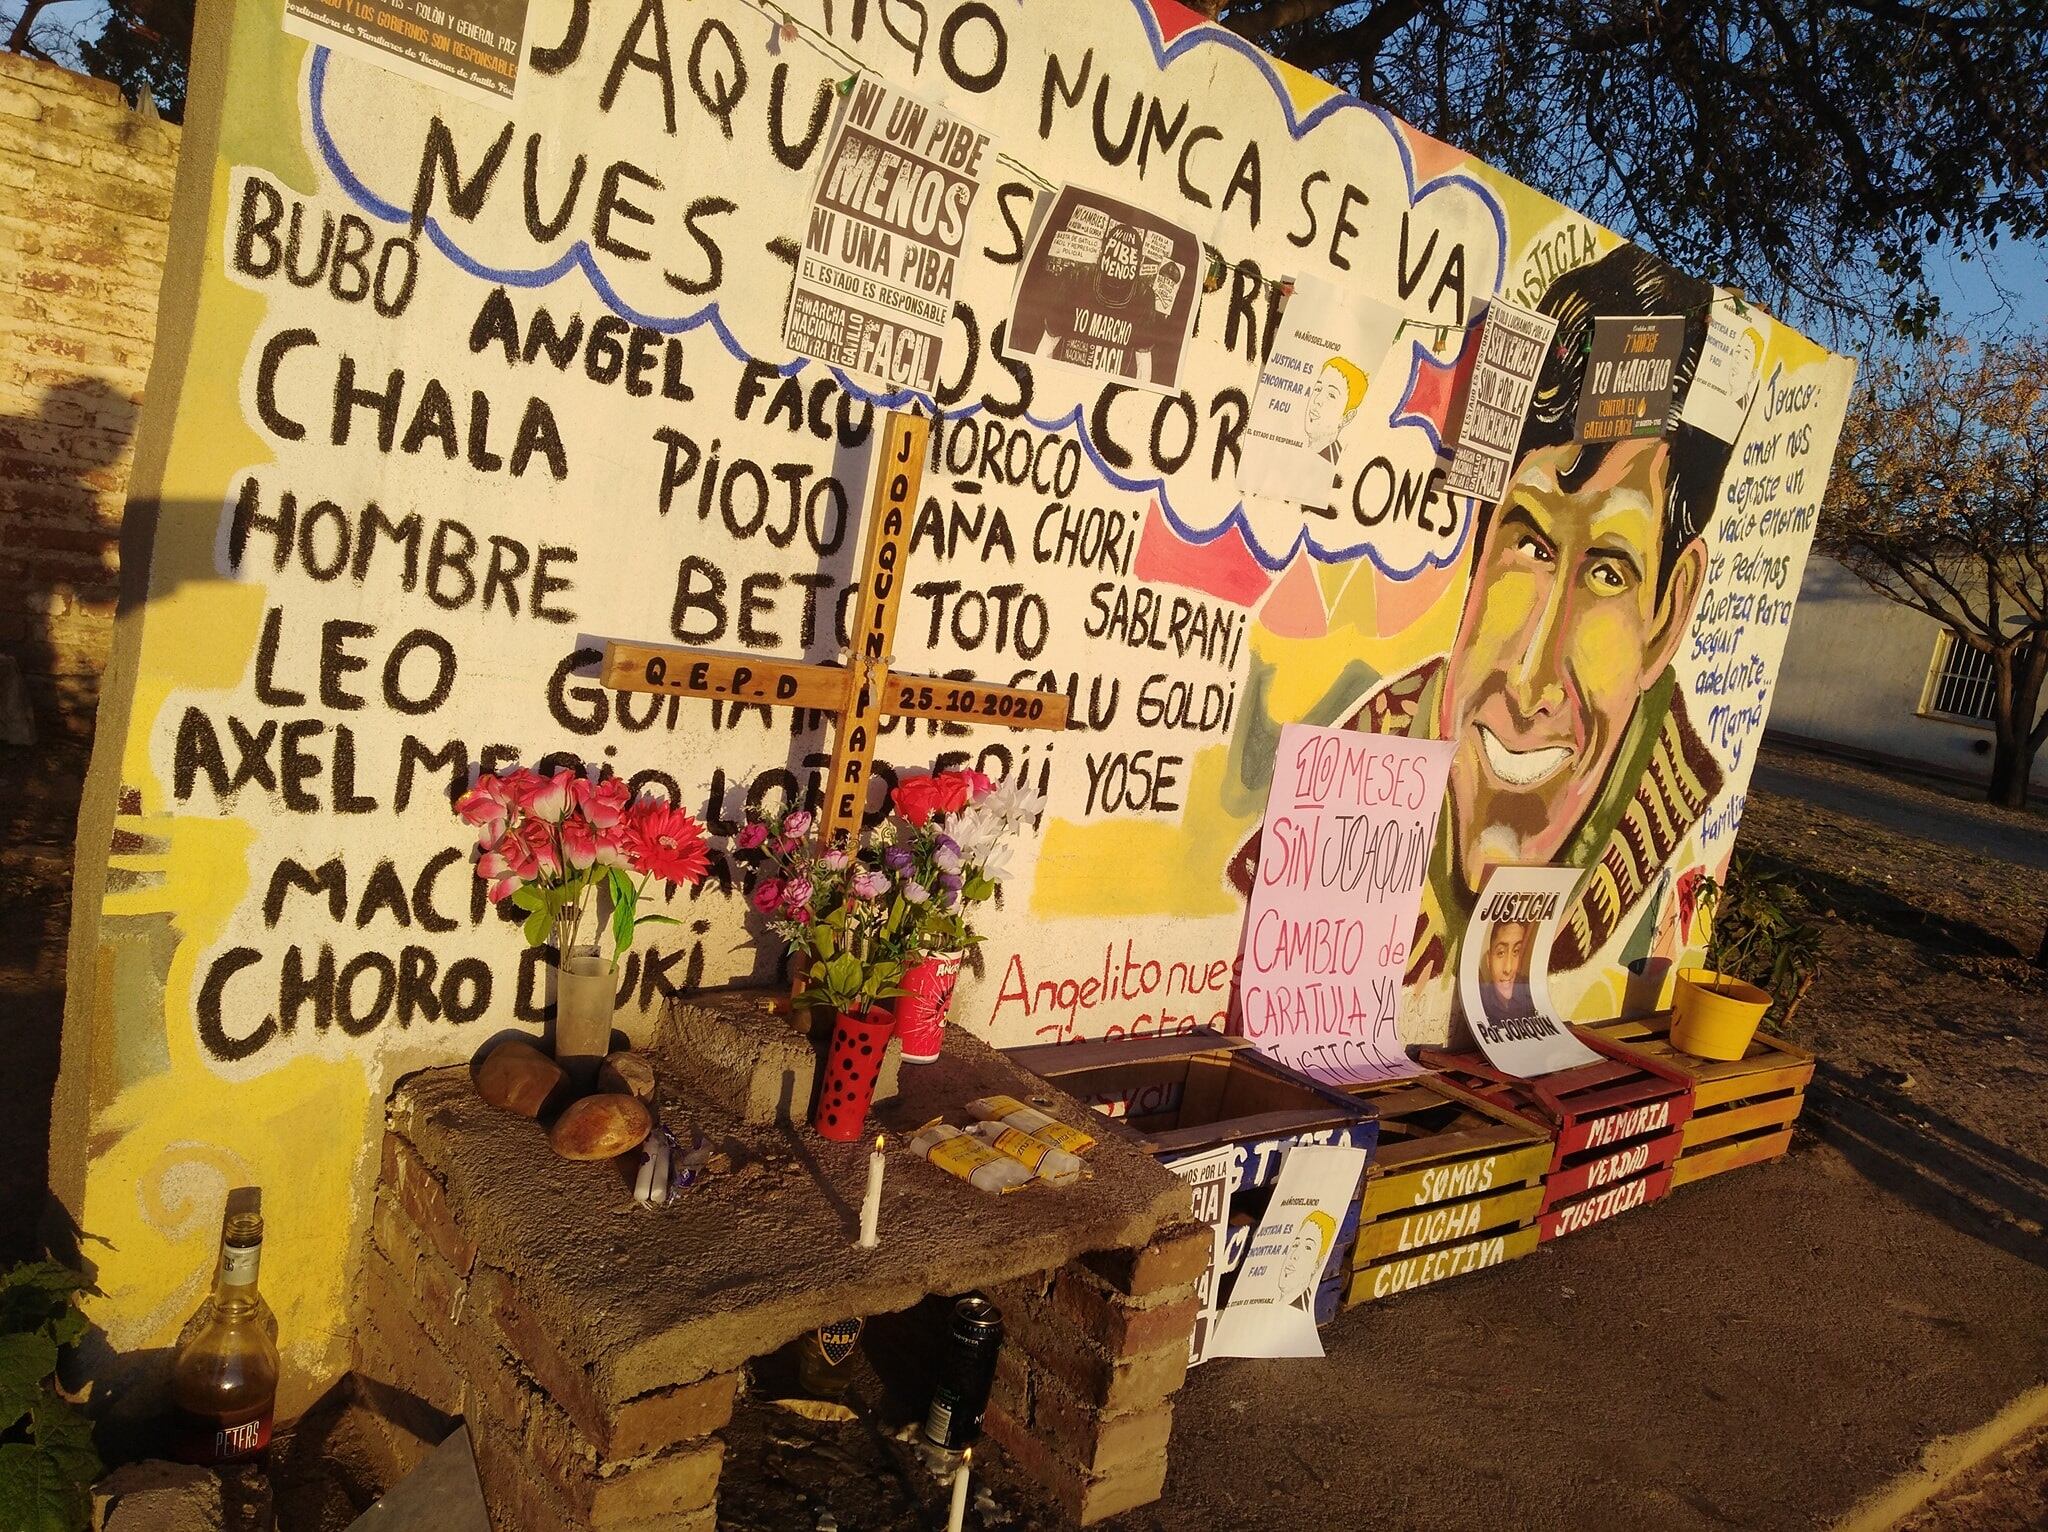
1574	744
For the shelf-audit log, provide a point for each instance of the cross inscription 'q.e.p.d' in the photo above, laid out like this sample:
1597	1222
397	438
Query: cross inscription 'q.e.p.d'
862	692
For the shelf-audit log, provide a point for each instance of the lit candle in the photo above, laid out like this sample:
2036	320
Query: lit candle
958	1514
871	1204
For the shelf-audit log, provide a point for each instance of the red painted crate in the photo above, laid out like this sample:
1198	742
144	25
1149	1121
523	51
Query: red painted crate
1617	1126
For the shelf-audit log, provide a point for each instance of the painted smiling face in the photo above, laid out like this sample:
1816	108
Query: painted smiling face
1567	623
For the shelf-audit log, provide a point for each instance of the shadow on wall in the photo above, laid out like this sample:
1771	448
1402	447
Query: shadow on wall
63	473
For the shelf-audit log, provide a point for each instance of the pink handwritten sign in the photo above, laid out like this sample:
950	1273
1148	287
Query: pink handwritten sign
1350	825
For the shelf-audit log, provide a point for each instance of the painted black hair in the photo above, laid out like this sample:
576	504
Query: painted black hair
1629	283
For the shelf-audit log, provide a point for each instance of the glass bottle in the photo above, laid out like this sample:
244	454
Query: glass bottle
224	1381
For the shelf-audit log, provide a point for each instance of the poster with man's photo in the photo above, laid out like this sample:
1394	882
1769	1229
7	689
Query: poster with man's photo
1731	367
1312	389
1504	971
1109	289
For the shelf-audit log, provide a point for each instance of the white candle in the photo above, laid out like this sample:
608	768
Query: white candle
958	1514
871	1204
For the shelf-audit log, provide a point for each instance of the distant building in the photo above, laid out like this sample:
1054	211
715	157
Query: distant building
1867	675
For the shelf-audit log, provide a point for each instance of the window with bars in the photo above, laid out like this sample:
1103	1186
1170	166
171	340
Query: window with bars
1961	682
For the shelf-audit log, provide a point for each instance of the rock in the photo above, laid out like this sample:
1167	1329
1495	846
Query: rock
600	1128
520	1078
627	1074
155	1496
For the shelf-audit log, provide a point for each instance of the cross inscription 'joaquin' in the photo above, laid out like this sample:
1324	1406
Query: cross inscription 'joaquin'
859	694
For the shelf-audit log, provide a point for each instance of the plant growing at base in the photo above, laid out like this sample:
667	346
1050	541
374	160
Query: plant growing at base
1762	931
47	1460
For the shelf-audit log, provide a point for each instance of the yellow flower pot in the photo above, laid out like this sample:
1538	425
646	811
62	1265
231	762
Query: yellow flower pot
1714	1015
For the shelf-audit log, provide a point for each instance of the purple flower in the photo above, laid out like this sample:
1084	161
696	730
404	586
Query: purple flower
796	895
897	859
951	882
915	891
869	883
797	823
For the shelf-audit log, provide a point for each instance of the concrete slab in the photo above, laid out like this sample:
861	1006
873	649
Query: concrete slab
643	1298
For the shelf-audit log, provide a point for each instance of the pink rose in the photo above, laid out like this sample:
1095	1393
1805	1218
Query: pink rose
767	895
602	803
978	785
796	895
547	797
579	842
539	839
751	835
796	823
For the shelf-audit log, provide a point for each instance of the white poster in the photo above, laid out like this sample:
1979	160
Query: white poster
1272	1308
1511	346
1208	1176
1730	369
1333	342
1504	971
884	236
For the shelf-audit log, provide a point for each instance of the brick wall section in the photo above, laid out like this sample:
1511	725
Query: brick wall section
85	197
85	202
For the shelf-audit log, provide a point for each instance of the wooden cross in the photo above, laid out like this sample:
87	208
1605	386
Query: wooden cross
860	694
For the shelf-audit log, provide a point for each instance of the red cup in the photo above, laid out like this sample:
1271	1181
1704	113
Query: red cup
852	1066
921	1008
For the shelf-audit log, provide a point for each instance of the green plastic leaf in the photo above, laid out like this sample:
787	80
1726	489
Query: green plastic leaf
538	924
25	1360
527	897
622	926
35	1493
978	889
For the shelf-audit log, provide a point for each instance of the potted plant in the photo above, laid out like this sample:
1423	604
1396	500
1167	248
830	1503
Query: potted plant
577	857
849	921
1762	950
951	855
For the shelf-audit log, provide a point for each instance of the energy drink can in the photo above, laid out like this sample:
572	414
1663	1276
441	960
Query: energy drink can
969	1368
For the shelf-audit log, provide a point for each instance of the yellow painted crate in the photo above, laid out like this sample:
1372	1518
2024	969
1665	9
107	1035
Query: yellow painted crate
1454	1186
1743	1109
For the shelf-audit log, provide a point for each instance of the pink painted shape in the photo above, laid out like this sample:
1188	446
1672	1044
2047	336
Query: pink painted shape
1295	607
1399	604
1174	19
1224	568
1432	156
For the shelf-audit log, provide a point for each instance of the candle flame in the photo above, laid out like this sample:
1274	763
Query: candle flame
966	1457
878	1142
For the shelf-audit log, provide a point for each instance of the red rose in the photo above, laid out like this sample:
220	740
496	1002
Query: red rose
952	791
917	800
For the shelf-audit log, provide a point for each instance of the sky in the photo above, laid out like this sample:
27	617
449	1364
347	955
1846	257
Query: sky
2001	293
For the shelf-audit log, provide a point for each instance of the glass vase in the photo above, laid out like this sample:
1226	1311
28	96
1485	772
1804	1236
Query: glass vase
586	988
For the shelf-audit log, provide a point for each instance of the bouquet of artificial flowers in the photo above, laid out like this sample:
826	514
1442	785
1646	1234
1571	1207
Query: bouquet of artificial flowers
549	843
952	851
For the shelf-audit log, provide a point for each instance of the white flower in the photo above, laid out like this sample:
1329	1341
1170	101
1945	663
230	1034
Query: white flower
996	865
1014	804
976	832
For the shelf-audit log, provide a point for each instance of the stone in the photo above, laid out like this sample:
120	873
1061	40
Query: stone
627	1074
520	1078
600	1128
156	1496
749	1061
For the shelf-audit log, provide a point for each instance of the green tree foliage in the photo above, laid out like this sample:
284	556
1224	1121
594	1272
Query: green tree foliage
1940	502
1809	151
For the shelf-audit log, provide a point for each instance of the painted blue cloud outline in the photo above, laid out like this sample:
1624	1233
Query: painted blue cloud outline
579	257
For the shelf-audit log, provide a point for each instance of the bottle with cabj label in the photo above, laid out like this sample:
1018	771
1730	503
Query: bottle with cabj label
224	1381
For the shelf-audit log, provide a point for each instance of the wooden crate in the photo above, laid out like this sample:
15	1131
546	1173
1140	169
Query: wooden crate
1455	1186
1200	1099
1617	1125
1743	1109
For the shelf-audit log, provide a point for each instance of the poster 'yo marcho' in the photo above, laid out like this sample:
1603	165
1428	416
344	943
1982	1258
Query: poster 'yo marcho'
452	389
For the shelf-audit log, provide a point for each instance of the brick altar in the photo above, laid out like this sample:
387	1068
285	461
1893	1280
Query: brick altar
597	1347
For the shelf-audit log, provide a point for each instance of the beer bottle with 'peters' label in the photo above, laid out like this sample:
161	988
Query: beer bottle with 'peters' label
224	1381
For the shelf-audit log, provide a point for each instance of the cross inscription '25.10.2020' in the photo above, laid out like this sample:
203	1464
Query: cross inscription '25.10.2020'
862	692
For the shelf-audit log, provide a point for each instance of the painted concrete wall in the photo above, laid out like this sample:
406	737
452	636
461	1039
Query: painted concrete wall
316	652
1855	669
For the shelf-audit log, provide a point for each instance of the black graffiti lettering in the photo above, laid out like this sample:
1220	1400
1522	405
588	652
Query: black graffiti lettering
795	156
213	1034
612	202
330	879
650	15
986	78
396	696
545	229
1302	238
718	93
1132	782
279	346
700	589
414	756
268	692
437	163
